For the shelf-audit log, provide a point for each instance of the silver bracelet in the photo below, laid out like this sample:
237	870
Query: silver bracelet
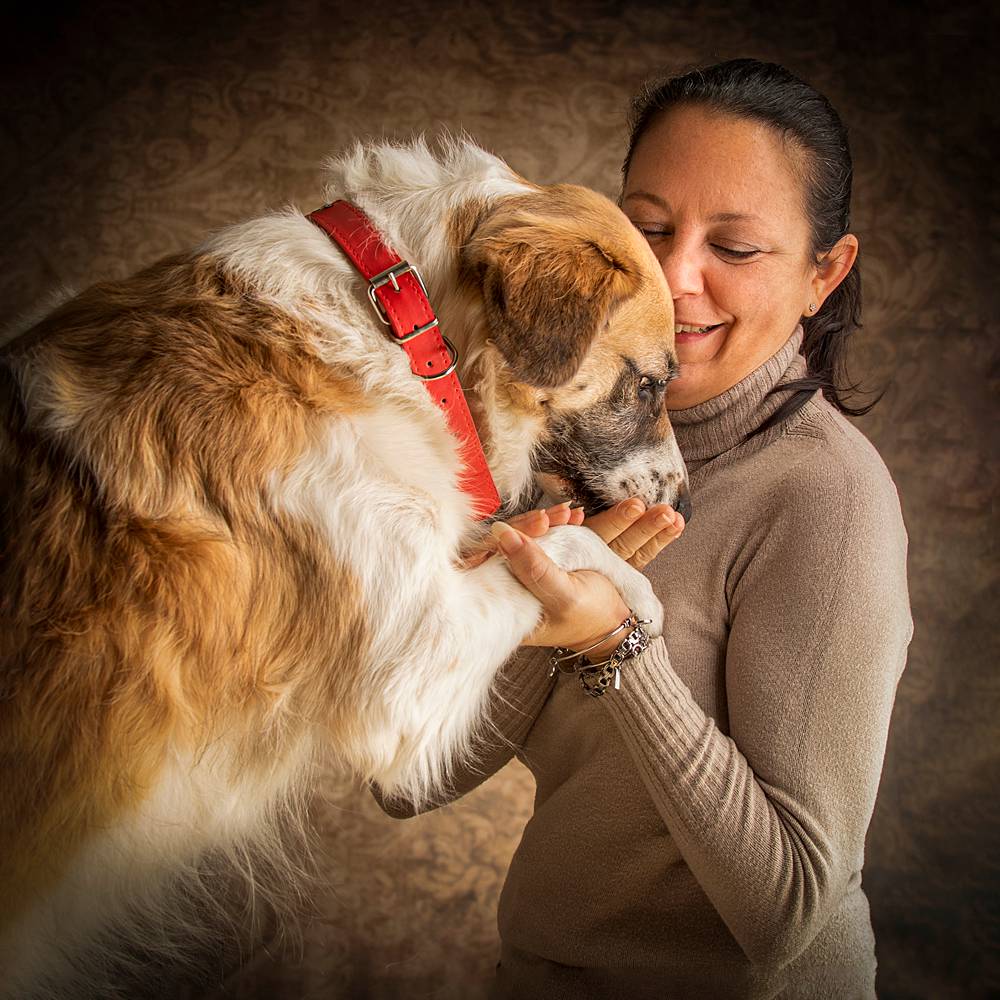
596	678
599	677
570	661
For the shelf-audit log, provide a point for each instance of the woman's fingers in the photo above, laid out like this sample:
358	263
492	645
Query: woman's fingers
644	535
536	523
563	513
636	534
651	548
533	523
533	568
609	524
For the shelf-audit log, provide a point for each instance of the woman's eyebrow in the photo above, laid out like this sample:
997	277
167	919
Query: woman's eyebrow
734	217
655	199
647	196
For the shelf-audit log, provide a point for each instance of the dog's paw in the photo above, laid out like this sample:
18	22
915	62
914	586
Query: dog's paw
576	548
637	593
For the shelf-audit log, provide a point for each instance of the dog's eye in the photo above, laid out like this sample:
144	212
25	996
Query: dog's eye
650	389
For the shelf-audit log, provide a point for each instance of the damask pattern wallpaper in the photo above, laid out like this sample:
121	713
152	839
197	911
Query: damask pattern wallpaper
129	131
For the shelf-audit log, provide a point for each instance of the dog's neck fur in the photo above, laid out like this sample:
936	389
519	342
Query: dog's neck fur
413	195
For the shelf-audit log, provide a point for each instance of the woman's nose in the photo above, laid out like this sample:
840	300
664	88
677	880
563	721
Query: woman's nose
682	270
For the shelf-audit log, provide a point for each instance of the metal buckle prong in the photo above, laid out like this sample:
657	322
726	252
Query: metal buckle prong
391	276
417	331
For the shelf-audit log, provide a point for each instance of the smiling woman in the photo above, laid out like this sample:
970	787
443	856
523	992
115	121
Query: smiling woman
700	830
738	276
719	200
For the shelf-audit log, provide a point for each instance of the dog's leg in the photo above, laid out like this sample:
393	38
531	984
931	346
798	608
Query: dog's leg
422	724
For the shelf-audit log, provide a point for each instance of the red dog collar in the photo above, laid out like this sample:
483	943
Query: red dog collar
397	292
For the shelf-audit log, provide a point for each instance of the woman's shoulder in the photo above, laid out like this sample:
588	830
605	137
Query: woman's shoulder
840	448
825	513
830	465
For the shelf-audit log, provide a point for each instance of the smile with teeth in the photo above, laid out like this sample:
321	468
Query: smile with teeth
685	328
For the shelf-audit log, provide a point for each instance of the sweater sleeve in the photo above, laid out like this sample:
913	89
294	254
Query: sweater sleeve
771	818
521	688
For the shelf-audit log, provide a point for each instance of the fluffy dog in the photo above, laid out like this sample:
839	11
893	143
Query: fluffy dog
232	524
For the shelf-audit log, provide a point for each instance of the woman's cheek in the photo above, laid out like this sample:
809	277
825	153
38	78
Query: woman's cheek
750	293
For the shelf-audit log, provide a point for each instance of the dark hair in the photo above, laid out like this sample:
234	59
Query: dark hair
769	94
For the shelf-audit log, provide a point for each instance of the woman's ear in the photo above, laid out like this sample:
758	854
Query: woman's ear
550	281
833	268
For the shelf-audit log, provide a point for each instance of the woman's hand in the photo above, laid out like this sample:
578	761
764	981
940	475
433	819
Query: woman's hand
581	607
634	533
533	523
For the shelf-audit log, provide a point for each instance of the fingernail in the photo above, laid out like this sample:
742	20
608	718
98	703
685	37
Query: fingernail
665	518
633	508
507	538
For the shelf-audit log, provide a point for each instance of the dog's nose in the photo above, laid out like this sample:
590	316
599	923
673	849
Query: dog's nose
683	503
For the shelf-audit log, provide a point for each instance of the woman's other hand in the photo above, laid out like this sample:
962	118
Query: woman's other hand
636	534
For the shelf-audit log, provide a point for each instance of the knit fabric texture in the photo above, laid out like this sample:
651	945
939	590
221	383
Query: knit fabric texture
700	832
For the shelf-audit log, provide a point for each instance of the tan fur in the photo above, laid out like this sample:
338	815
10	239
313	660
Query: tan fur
230	522
146	639
463	221
618	303
521	256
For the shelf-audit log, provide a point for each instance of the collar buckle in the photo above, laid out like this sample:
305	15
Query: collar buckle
391	276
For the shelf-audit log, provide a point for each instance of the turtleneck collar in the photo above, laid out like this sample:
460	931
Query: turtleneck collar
712	428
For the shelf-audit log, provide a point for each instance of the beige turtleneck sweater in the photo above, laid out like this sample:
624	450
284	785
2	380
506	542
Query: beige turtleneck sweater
700	832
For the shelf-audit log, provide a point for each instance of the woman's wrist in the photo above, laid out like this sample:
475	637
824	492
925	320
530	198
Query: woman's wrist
604	641
602	672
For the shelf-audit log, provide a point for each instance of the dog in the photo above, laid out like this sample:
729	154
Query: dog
233	522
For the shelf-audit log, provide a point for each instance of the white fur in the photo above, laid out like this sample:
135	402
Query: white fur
651	473
152	879
383	484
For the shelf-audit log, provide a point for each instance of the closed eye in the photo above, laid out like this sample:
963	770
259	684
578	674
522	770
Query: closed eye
733	254
654	232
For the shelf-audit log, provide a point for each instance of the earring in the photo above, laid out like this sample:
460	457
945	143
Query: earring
812	307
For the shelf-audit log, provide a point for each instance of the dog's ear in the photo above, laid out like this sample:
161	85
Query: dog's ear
550	281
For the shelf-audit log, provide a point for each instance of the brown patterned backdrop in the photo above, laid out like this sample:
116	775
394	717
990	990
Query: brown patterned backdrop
128	131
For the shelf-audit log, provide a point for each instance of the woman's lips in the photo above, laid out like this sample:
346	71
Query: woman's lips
691	338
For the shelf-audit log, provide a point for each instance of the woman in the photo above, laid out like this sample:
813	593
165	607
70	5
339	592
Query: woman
700	831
